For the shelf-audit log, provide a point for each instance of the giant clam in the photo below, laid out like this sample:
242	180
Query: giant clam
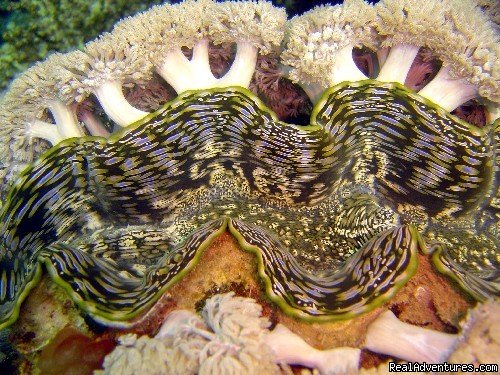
334	211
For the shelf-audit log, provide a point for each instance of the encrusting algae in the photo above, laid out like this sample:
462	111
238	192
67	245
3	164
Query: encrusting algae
127	164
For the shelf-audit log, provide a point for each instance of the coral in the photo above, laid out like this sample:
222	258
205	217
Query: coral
457	32
478	342
290	348
319	45
230	339
388	335
141	355
36	28
156	146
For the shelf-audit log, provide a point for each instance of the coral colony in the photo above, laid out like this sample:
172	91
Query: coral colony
33	28
122	162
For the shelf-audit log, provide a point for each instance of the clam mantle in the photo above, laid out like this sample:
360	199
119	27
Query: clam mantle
334	211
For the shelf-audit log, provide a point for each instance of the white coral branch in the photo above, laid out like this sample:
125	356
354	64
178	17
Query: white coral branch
243	67
44	130
232	338
195	74
112	100
66	124
447	91
292	349
388	335
398	63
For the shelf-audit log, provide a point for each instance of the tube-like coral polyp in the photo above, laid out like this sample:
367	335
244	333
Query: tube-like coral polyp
388	335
